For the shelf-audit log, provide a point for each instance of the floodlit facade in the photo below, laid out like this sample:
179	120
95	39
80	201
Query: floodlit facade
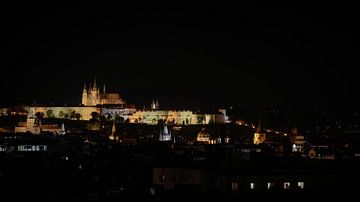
259	138
92	96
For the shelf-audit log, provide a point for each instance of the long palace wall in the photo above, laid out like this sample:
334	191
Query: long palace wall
185	117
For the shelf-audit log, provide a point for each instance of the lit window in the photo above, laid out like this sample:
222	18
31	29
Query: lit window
270	185
301	185
252	185
286	185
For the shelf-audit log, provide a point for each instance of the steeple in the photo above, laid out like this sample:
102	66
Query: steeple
157	104
113	131
90	88
84	90
104	92
95	87
153	104
62	130
259	125
84	99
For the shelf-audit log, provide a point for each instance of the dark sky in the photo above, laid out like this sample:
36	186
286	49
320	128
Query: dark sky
291	55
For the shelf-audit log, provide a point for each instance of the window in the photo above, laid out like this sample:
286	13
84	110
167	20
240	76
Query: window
301	185
252	185
286	185
270	185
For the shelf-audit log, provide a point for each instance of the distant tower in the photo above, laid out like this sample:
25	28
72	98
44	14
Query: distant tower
259	137
89	98
113	130
84	96
104	91
62	130
165	134
93	93
95	87
155	104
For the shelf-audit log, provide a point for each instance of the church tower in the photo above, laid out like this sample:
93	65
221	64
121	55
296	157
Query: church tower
113	131
155	104
94	94
84	96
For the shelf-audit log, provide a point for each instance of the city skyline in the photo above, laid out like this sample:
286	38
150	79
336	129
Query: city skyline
277	54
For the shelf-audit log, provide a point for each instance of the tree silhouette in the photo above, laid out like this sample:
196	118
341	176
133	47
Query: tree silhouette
95	115
119	119
72	114
39	115
108	117
50	113
61	114
77	116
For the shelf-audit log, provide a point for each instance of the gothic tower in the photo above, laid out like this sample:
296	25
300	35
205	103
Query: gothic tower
84	96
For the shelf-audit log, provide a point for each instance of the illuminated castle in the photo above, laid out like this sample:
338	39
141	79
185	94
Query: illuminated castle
93	96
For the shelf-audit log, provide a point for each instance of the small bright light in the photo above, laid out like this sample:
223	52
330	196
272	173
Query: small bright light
286	185
252	185
152	191
301	185
66	158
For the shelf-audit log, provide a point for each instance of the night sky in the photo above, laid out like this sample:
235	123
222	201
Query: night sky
274	54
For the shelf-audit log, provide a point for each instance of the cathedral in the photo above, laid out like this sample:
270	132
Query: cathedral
93	96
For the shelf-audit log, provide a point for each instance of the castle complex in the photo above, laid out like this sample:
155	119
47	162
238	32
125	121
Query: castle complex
113	108
93	96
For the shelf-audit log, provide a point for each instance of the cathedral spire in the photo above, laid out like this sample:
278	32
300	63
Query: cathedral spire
84	90
157	104
95	83
113	131
153	104
84	99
